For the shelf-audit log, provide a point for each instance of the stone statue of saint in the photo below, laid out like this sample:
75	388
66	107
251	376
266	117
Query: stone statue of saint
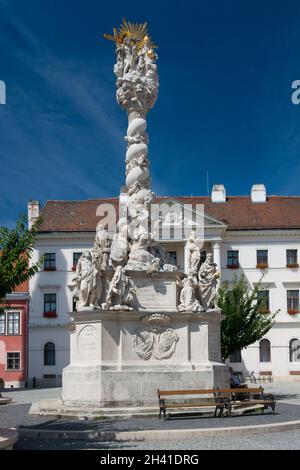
194	254
102	248
208	282
87	281
188	301
120	292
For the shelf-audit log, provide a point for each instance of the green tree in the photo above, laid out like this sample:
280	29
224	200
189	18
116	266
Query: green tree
16	248
246	318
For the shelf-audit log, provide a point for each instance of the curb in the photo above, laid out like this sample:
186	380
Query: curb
8	437
154	435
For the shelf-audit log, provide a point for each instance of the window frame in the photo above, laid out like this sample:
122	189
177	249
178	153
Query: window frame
3	314
49	313
264	308
290	261
74	265
262	258
291	352
234	355
7	369
53	351
13	312
50	264
261	350
173	258
233	257
292	308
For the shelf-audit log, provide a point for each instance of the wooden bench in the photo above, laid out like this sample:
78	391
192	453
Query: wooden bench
244	397
222	399
217	400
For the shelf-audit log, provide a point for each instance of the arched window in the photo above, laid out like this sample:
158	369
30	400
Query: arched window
264	351
49	354
294	350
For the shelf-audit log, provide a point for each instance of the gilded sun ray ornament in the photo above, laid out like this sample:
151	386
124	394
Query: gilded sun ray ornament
138	34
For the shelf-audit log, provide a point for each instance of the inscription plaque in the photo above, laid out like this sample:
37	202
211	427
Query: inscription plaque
87	348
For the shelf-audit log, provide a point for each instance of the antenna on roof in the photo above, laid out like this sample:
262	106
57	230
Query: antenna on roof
207	182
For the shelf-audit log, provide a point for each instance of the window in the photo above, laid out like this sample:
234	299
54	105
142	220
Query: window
294	347
49	304
2	324
74	304
232	259
49	354
76	257
292	301
13	323
173	256
263	300
49	262
262	258
13	361
236	356
292	258
264	351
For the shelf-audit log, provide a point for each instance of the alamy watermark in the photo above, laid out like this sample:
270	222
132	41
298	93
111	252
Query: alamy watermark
2	92
296	94
160	222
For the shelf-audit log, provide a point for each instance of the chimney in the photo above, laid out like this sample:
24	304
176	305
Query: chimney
33	212
258	194
218	194
123	201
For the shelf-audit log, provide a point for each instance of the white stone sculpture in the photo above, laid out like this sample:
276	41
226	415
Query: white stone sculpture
188	301
208	282
120	293
119	246
87	281
102	248
155	339
137	89
194	254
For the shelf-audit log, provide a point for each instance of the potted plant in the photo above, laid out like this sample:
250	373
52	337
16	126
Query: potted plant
50	314
262	265
293	311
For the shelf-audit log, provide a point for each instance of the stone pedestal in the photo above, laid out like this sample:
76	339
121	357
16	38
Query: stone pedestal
119	359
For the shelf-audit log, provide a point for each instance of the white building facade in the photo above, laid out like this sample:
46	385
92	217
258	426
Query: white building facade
254	236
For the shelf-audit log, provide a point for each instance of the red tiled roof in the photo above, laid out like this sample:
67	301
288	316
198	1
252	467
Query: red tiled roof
24	287
239	213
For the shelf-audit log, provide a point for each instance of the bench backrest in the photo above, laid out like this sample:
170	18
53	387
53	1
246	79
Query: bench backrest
214	391
186	392
241	390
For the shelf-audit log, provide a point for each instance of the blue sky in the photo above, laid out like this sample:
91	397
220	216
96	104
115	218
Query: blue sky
224	105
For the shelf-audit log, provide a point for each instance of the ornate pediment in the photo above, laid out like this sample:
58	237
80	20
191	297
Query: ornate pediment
174	215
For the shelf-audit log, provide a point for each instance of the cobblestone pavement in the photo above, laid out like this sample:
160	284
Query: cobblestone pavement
289	440
288	394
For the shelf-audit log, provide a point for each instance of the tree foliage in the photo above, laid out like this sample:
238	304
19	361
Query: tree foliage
16	248
246	319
